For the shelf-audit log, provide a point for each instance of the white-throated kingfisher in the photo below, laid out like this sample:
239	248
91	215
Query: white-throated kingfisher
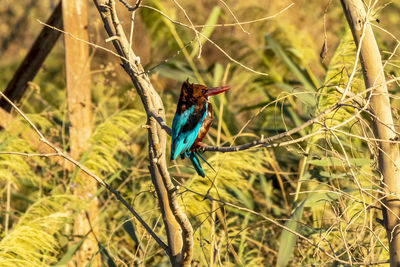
192	120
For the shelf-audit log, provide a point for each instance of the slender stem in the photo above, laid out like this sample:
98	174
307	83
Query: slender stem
60	153
7	217
301	174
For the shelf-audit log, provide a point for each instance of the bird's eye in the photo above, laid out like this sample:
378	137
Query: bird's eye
203	91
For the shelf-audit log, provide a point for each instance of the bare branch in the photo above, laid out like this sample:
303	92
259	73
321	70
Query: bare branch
266	142
178	228
224	24
60	153
208	39
129	7
382	122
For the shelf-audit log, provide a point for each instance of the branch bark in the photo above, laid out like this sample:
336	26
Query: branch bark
178	228
382	121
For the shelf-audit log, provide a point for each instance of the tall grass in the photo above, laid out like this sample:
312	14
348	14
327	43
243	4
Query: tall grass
323	188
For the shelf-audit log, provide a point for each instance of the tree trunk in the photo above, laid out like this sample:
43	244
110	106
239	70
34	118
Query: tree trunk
25	73
80	121
382	121
33	60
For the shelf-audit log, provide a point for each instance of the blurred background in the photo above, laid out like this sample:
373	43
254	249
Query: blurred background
301	53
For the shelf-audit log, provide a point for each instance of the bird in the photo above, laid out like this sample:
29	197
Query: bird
192	120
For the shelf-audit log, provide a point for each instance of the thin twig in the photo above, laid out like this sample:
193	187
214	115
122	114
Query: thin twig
62	154
208	39
225	24
265	142
191	26
264	217
234	16
129	7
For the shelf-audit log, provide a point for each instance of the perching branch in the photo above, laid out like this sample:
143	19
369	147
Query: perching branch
267	142
357	99
178	228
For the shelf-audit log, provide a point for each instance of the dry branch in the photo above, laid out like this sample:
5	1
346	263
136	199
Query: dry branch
178	228
59	153
382	120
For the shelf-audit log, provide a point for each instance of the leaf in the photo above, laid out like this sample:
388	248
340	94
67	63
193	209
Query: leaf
175	71
331	161
70	252
320	198
247	201
308	99
207	30
293	66
287	240
32	241
130	229
218	73
105	257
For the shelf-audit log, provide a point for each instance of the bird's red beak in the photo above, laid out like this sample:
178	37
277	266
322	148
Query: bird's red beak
217	90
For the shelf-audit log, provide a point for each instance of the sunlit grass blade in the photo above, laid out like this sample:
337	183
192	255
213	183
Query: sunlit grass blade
207	30
287	241
293	66
70	253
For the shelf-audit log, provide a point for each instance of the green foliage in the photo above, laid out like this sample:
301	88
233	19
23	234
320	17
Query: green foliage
287	241
13	168
323	188
340	68
338	160
33	241
112	137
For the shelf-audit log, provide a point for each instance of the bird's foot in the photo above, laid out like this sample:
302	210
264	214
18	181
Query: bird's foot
201	147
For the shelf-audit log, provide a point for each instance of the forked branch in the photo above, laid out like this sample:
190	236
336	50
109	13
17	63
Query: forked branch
178	228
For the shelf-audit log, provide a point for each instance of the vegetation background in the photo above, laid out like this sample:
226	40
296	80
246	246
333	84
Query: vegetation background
310	187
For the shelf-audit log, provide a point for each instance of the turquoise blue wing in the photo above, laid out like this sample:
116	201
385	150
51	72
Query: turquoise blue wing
179	121
185	128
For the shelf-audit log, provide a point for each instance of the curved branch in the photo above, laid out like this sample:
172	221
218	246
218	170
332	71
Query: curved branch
177	225
129	7
267	142
59	153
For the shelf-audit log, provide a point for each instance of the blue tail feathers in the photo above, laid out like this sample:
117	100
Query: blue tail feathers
193	156
200	156
196	163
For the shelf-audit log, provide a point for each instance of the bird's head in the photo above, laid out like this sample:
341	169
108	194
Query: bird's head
196	93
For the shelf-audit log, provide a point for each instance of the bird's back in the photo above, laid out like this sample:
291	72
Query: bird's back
185	127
